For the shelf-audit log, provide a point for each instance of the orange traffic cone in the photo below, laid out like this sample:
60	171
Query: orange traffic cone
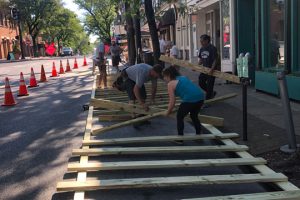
8	96
68	68
75	64
84	61
61	69
43	75
54	72
22	88
33	82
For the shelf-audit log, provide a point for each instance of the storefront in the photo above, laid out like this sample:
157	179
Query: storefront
216	19
274	41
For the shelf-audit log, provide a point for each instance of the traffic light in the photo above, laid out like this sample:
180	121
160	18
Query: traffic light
15	13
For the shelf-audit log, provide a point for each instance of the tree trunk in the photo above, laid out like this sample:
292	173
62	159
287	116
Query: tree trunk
35	49
153	30
130	36
138	36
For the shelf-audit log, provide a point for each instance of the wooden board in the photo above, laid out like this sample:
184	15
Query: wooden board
263	169
163	164
166	138
198	68
282	195
113	118
157	150
129	122
168	181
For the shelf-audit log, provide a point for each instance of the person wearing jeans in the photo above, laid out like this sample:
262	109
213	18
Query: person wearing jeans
208	56
191	95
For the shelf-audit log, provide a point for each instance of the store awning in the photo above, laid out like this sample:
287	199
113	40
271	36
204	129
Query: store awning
168	18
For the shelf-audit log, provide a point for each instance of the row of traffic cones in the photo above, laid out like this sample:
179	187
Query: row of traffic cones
8	96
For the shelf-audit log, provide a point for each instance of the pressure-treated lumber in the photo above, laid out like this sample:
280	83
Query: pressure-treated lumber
198	68
163	164
157	150
282	195
166	138
168	181
113	118
129	122
132	108
263	169
81	176
220	98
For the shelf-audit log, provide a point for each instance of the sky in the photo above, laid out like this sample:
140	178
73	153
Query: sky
73	7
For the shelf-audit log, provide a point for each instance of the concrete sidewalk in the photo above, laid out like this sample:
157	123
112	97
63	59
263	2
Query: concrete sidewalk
266	128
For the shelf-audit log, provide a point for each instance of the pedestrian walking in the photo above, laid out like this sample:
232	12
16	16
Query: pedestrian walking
100	61
191	95
208	57
115	51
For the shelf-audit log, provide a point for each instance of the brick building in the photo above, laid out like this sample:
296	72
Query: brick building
8	32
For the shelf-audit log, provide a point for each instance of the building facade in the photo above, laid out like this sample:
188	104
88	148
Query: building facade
8	33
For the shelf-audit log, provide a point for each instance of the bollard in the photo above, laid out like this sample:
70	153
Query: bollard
292	146
245	83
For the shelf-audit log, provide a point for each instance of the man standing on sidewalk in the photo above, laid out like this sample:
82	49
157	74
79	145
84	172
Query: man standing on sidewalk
208	56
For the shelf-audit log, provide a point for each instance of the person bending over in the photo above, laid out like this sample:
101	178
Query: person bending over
191	95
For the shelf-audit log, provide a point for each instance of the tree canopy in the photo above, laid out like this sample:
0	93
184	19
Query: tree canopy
99	16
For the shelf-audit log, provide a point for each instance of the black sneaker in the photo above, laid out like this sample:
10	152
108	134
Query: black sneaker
214	94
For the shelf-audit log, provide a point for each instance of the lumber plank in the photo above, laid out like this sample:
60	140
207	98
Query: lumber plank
198	68
113	118
157	150
282	195
167	181
129	122
135	140
263	169
163	164
132	108
81	176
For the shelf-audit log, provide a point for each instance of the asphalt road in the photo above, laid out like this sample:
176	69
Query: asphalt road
38	134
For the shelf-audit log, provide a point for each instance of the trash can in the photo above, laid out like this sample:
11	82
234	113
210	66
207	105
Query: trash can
148	58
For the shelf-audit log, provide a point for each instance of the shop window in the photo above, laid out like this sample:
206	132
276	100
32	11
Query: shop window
276	34
226	43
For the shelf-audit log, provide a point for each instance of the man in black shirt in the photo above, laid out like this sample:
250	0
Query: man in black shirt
208	56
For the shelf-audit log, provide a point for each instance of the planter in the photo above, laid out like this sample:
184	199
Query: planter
266	82
293	84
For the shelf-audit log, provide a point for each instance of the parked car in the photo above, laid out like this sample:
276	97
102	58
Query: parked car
67	51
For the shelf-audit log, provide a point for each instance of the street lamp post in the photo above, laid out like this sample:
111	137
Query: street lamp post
16	16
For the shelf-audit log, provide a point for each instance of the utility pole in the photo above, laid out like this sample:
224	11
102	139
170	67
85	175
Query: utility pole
15	13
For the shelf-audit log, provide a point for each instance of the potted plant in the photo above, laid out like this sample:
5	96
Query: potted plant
17	52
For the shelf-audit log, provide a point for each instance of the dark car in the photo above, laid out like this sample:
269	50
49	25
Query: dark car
67	51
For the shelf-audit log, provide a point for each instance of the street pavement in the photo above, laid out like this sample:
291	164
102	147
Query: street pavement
38	134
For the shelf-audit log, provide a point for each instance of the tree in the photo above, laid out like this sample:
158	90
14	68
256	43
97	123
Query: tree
130	35
99	16
153	30
34	14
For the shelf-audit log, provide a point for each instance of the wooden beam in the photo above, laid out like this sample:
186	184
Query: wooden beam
114	118
129	122
168	181
166	138
263	169
220	98
198	68
157	150
282	195
163	164
132	108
